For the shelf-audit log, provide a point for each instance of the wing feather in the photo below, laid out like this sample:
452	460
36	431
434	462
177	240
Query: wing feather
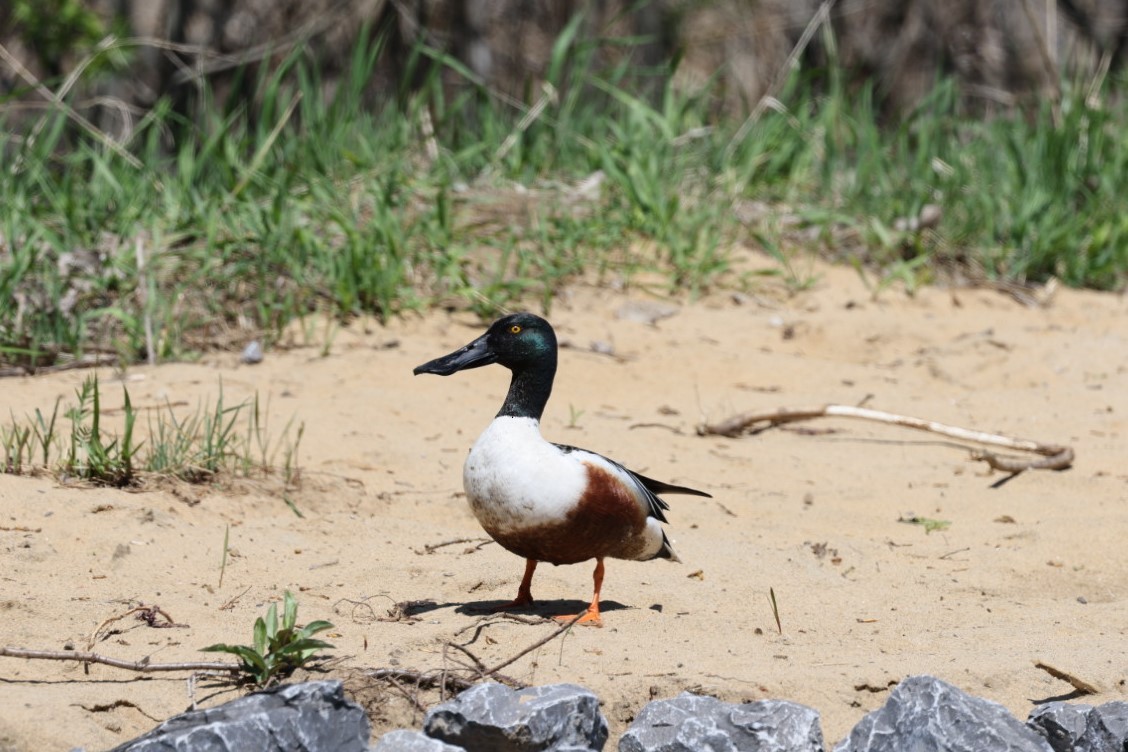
647	488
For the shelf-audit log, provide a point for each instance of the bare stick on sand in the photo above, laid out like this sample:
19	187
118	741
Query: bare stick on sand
1051	456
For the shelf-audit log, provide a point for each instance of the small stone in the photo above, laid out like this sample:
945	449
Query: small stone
559	717
646	311
602	347
252	353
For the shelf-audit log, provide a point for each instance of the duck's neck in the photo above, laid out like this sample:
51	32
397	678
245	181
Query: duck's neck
529	391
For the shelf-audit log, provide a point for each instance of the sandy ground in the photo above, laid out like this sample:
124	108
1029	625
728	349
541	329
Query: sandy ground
1034	569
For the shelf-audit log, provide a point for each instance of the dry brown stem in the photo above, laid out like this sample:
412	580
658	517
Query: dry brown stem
142	666
1053	456
1078	683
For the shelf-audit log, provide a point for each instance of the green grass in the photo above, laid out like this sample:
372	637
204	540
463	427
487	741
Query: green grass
95	455
216	438
258	213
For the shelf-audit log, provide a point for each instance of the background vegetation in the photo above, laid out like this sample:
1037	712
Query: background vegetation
359	168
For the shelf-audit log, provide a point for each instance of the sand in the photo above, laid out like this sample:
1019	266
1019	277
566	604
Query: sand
1031	569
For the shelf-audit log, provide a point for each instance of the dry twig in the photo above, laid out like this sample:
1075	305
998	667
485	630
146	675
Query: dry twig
143	299
142	666
362	611
1053	456
1079	684
147	614
481	624
433	547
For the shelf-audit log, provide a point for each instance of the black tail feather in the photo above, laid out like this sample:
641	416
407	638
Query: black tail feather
658	487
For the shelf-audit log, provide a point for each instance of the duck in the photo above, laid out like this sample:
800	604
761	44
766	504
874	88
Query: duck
543	501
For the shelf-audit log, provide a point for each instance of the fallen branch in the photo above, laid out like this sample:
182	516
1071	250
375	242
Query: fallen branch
1053	456
1079	684
142	666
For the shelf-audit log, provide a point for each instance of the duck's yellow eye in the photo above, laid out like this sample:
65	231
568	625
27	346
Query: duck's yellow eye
515	329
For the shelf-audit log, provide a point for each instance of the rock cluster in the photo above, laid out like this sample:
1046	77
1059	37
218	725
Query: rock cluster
922	713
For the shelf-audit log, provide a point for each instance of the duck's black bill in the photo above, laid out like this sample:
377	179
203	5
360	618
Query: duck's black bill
474	355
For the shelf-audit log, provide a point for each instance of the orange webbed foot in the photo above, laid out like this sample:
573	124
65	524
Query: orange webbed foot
589	618
521	601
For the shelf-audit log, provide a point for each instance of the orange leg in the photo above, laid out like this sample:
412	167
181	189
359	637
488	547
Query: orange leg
590	618
524	592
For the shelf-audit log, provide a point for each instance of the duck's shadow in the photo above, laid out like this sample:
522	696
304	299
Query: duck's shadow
547	609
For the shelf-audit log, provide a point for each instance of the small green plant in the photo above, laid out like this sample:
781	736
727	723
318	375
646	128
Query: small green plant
574	416
16	440
929	525
796	268
92	455
226	549
20	441
198	447
258	441
279	647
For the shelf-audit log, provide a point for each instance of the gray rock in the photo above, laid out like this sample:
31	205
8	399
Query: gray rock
693	723
558	717
1106	729
646	311
926	714
311	717
252	353
1082	728
403	740
1061	723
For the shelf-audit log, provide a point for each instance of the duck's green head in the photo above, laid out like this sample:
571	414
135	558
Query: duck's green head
519	341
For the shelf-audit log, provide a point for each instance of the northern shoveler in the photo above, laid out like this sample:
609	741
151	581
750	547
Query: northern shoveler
544	501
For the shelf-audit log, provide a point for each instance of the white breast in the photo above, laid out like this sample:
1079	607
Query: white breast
516	480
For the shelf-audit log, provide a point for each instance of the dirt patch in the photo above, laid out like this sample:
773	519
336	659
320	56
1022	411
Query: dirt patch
1028	570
